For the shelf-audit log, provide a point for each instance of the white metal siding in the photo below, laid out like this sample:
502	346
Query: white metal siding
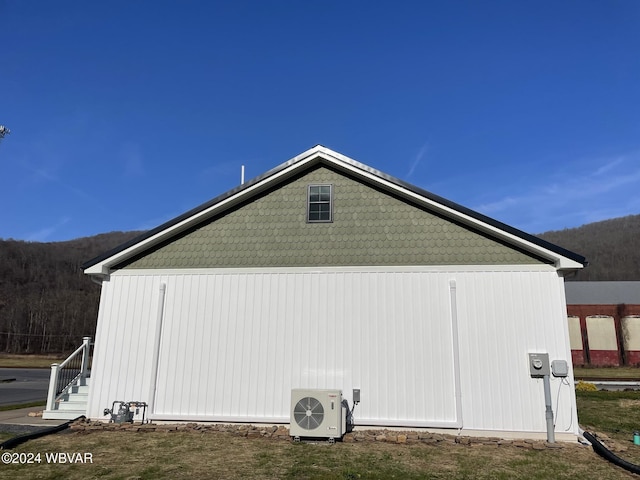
502	318
123	345
234	344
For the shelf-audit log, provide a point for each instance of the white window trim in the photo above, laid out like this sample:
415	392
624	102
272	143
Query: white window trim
330	185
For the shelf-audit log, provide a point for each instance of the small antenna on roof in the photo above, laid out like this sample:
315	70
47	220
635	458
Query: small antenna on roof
242	175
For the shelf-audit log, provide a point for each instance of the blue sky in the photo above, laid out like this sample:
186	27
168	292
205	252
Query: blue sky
126	114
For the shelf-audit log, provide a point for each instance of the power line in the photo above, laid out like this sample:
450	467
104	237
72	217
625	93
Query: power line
41	334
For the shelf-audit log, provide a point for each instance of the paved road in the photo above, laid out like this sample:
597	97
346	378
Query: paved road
615	385
31	385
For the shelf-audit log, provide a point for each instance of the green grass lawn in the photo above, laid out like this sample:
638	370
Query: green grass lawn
615	416
17	406
612	373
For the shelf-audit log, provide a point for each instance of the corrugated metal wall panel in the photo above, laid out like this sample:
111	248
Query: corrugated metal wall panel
235	344
123	350
502	319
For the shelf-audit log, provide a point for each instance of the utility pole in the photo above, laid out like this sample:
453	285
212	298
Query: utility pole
4	131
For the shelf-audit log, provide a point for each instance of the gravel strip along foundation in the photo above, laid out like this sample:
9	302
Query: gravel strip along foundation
282	433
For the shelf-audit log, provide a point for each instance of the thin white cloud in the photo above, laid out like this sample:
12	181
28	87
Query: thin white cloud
606	190
606	179
609	165
133	161
499	205
419	157
44	233
42	174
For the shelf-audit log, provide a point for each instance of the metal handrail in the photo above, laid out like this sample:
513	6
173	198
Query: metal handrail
72	371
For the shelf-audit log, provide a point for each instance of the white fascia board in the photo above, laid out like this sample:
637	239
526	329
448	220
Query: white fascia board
97	270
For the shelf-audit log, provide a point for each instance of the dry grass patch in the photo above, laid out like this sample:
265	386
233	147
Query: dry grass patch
629	403
221	455
8	360
212	454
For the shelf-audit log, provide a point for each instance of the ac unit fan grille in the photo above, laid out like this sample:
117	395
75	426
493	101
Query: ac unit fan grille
308	413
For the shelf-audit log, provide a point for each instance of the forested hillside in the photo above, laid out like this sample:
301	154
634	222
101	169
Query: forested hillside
612	248
47	304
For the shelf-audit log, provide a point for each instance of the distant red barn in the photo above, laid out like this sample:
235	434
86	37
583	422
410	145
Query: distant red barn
604	322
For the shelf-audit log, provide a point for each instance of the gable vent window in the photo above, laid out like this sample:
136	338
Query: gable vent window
320	203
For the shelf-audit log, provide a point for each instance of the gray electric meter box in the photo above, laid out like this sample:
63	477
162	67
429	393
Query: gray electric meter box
539	365
356	395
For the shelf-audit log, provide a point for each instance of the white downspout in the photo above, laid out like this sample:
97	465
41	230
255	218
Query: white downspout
156	348
456	352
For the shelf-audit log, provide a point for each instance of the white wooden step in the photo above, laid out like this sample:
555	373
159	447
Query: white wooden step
74	397
71	405
62	414
75	406
79	389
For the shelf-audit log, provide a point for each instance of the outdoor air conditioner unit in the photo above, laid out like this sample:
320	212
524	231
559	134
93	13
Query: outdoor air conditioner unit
317	414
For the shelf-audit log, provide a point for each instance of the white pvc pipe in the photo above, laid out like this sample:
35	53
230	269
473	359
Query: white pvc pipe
456	350
156	348
548	409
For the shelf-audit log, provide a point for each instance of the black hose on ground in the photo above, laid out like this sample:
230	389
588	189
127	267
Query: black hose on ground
605	453
14	442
